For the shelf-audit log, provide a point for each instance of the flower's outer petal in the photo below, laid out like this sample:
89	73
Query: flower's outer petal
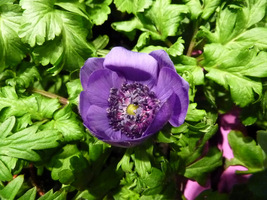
90	65
229	178
97	122
193	189
126	142
162	116
170	82
132	65
180	110
163	59
83	103
229	121
99	84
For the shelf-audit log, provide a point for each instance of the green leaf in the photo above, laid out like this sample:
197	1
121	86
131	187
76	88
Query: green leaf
212	195
74	6
37	106
177	48
125	163
155	21
29	195
185	64
200	169
194	114
132	6
242	88
12	50
101	42
236	70
142	162
195	8
61	33
23	143
246	152
70	167
74	89
13	165
50	195
253	37
128	26
66	122
10	191
5	174
254	11
159	24
98	11
142	41
153	182
257	185
24	77
209	8
7	126
151	48
233	26
6	2
194	142
262	140
41	22
100	186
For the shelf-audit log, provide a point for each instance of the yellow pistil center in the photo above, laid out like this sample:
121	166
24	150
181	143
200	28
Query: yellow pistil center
131	109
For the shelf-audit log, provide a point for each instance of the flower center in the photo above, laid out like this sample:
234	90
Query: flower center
132	108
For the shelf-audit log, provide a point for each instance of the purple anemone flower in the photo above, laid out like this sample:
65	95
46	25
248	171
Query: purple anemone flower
129	96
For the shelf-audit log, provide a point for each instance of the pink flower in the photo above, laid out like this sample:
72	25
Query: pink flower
229	178
193	189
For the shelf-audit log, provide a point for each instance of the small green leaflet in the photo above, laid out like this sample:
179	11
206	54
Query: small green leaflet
155	21
10	191
132	6
98	10
234	26
66	122
246	152
23	143
69	166
200	169
237	70
37	106
12	50
60	32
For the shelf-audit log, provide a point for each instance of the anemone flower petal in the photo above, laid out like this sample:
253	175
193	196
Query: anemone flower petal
179	110
84	105
163	59
170	82
126	142
98	123
99	85
161	117
90	65
132	65
229	178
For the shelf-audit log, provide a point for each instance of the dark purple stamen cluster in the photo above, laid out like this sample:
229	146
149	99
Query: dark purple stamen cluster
139	95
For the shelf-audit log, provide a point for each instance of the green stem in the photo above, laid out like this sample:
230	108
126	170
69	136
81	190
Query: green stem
168	43
193	40
62	100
